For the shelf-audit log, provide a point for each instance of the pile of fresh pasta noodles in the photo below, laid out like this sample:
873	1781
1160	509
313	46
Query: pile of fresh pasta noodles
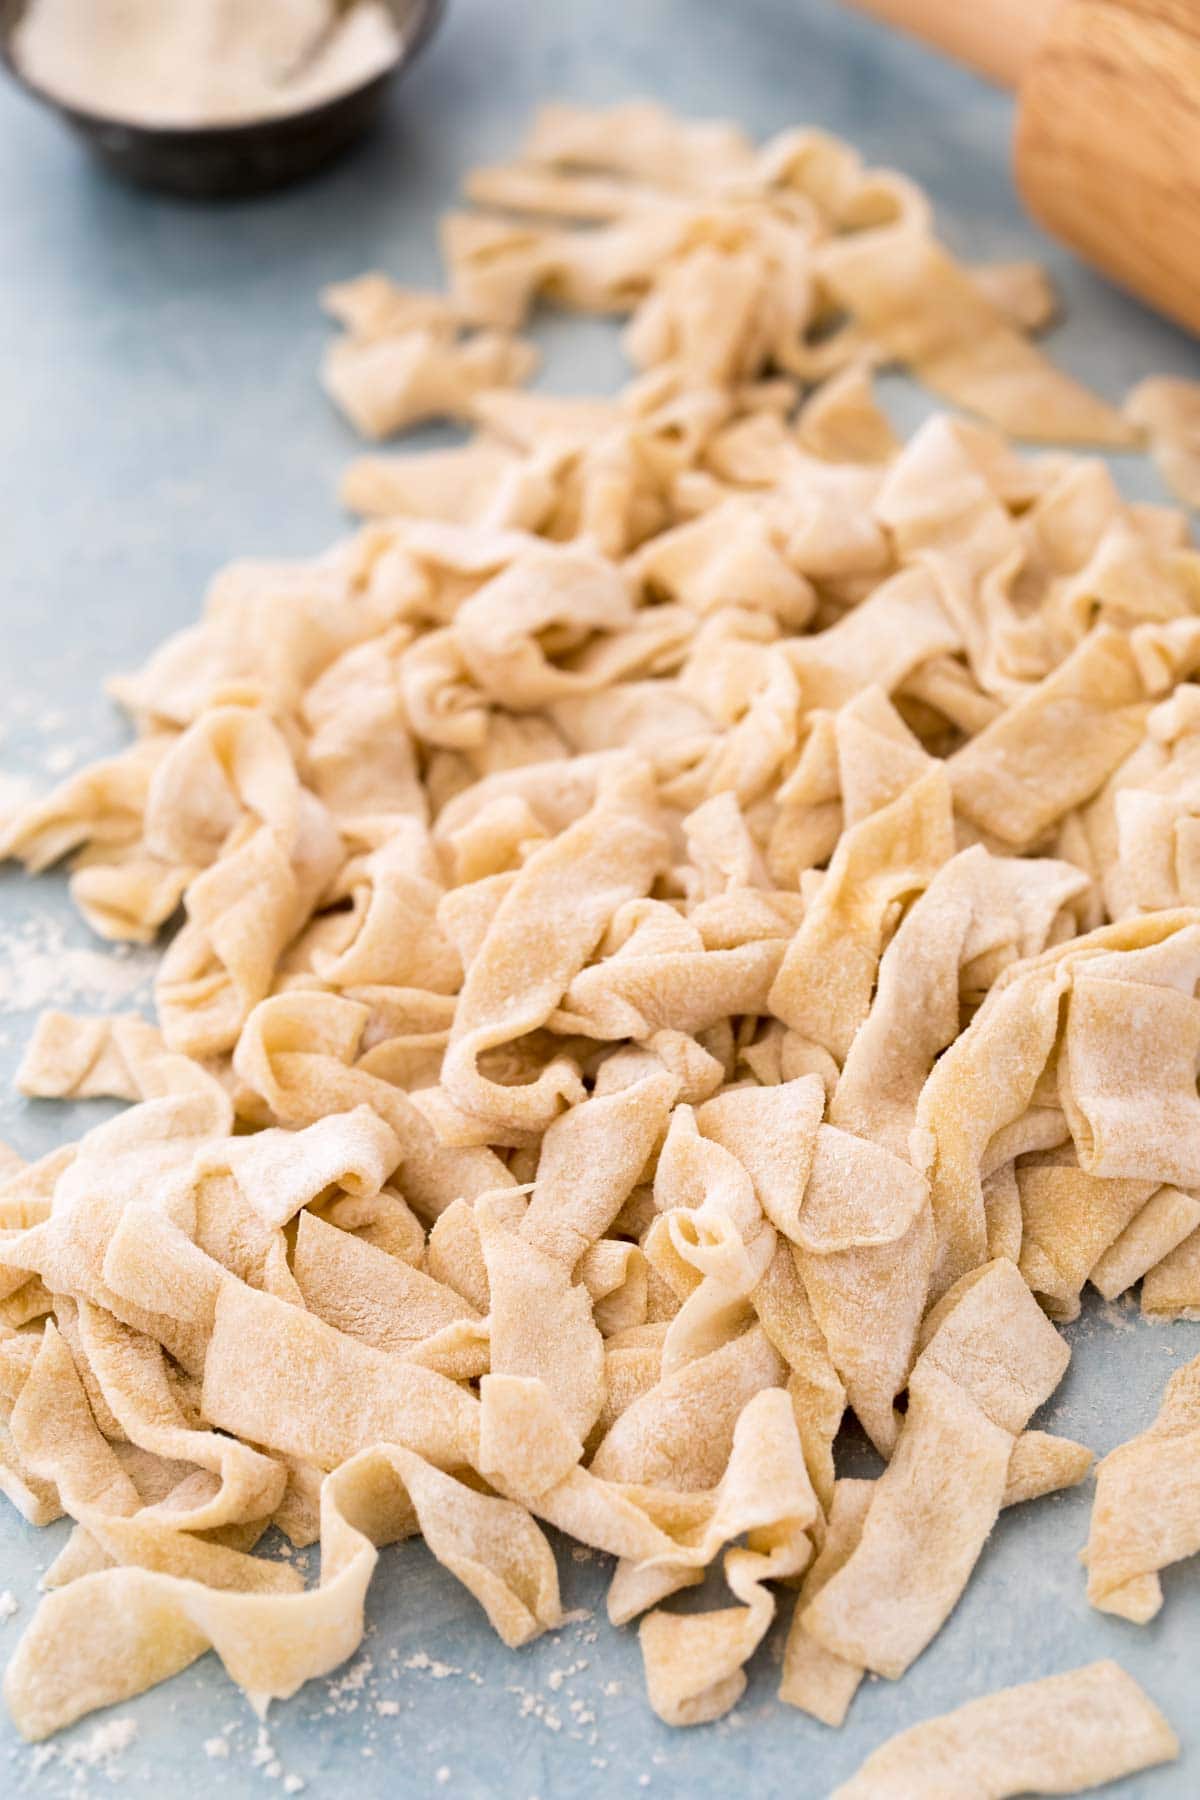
690	929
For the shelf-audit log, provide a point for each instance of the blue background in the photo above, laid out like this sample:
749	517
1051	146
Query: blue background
159	413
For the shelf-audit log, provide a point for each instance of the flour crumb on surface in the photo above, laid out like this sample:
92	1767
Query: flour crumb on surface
263	1751
39	968
9	1605
355	1677
102	1746
216	1747
429	1665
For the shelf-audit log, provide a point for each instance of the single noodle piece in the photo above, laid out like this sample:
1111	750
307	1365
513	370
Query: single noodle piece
1062	1735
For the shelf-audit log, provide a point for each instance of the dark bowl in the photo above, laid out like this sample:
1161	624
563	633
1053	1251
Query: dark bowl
221	161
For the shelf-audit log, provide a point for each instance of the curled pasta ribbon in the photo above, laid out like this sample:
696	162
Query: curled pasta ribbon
149	1623
520	971
863	1247
1144	1515
711	1247
394	379
823	988
297	1051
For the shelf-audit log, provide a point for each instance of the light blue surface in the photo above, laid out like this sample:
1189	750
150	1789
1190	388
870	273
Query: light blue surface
159	413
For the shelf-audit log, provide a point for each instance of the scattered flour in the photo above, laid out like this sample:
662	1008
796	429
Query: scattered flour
101	1747
263	1756
216	1747
61	758
430	1666
39	968
354	1679
9	1605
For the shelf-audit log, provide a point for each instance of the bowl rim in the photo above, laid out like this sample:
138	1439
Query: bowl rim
427	14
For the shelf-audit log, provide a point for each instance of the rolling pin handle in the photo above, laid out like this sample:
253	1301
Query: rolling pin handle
996	38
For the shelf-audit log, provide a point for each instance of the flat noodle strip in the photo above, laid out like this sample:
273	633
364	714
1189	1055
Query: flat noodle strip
823	989
1146	1512
321	1395
926	312
521	971
1061	1735
993	1360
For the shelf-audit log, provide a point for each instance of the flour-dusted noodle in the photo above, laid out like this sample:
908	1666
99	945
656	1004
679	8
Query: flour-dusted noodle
1144	1515
1168	411
1061	1735
991	1363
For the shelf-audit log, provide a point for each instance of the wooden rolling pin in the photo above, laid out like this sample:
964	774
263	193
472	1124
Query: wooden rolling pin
1107	147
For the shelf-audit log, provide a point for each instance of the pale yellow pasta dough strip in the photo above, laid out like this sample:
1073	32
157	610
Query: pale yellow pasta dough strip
281	1172
773	1133
1172	1288
1127	1078
765	1492
1042	1464
688	991
77	1058
926	312
387	384
1168	410
817	1680
107	1636
680	1433
1053	749
983	1083
818	1397
524	965
694	1661
103	804
297	1052
377	1298
864	1250
321	1395
132	1375
58	1438
823	989
591	1159
1061	1735
842	422
541	1323
1166	1220
1069	1219
1147	1511
994	1359
915	1013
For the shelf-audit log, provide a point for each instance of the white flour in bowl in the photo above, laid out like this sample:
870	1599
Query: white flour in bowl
202	62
